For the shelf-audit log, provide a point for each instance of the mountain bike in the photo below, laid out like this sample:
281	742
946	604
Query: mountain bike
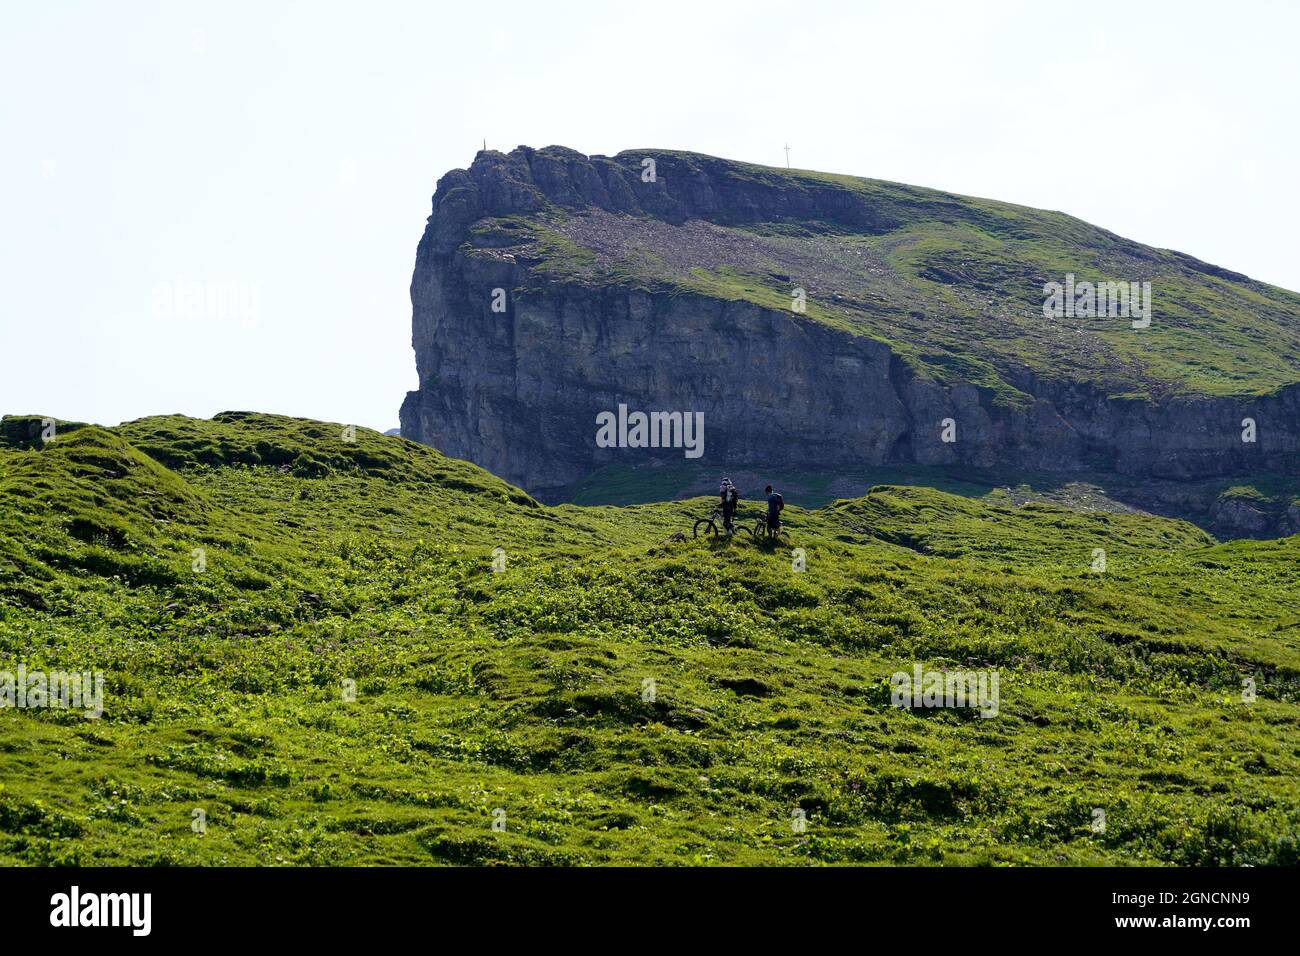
761	530
713	524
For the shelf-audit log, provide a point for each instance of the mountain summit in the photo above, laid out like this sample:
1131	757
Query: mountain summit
828	322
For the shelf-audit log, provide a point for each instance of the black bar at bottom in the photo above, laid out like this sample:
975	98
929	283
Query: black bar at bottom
333	906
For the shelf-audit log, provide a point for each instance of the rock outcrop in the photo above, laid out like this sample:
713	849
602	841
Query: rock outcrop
550	287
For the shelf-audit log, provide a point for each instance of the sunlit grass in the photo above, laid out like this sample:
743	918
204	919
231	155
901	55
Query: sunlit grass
369	564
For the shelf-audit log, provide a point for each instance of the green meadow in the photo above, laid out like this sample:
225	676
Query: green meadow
314	653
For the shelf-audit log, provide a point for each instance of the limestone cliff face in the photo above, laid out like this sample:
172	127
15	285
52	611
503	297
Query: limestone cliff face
518	391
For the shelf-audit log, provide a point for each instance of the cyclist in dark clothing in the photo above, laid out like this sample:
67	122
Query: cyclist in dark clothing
730	495
775	503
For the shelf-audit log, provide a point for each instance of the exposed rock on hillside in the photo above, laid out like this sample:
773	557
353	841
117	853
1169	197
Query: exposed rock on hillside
550	287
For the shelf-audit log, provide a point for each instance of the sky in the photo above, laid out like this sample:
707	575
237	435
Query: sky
212	206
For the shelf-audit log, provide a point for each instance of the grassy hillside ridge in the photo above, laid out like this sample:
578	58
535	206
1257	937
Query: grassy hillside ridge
999	530
921	270
1273	500
329	561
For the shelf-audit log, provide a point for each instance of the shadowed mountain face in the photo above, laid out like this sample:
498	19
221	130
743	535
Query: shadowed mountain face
828	322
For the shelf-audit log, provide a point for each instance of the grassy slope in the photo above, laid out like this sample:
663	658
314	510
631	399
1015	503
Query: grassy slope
1269	494
954	285
522	690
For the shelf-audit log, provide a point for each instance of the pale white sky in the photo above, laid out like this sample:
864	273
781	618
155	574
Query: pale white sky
280	156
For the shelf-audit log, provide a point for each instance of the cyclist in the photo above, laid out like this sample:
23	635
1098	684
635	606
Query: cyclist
775	504
730	495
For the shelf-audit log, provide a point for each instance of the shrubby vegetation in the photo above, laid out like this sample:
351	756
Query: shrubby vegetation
327	562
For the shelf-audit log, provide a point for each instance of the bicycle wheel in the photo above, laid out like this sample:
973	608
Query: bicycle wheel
705	526
760	528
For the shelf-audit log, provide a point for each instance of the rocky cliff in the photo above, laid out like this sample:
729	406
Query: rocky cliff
821	321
